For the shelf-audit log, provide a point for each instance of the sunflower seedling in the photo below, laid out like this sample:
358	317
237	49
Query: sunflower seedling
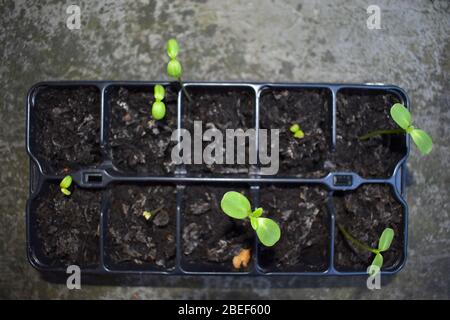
403	119
65	185
237	206
296	131
174	68
158	107
384	244
148	214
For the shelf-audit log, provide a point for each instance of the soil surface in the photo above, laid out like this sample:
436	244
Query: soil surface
139	144
219	108
210	239
68	226
303	217
310	109
66	132
365	213
135	240
360	112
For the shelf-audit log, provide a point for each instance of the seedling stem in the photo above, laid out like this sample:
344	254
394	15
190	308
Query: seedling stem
380	132
355	241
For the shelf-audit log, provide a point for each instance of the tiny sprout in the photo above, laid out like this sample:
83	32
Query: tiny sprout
65	185
384	244
174	68
237	206
147	215
403	118
159	92
297	132
158	107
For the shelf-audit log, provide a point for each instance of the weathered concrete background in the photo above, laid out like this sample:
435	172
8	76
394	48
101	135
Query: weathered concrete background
265	40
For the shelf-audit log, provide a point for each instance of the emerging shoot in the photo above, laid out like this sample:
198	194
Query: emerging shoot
237	206
383	245
174	68
158	107
65	185
148	214
296	131
403	119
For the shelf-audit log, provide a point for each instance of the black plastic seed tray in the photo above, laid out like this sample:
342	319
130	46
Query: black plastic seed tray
103	175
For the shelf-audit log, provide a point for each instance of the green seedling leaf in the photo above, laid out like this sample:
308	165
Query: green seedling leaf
422	140
66	191
386	239
376	265
66	182
172	48
401	116
159	92
174	69
236	205
254	223
299	134
147	215
257	213
294	128
158	110
268	231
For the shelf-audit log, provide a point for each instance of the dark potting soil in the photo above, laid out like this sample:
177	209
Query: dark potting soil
67	128
311	110
139	144
135	240
210	239
68	226
302	215
365	213
360	112
219	108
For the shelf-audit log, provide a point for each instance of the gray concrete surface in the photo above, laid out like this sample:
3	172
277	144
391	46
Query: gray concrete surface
264	40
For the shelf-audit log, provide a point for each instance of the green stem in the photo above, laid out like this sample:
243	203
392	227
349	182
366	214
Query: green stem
380	132
184	90
355	241
157	210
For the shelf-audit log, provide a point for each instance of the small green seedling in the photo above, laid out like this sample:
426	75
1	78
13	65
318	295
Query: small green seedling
65	185
296	131
148	214
403	118
383	245
237	206
158	107
174	68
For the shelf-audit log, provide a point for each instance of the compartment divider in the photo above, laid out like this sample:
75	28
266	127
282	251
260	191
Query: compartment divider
332	228
179	249
255	201
333	119
104	213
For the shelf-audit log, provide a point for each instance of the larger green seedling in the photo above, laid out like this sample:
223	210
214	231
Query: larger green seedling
237	206
384	244
174	68
403	118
